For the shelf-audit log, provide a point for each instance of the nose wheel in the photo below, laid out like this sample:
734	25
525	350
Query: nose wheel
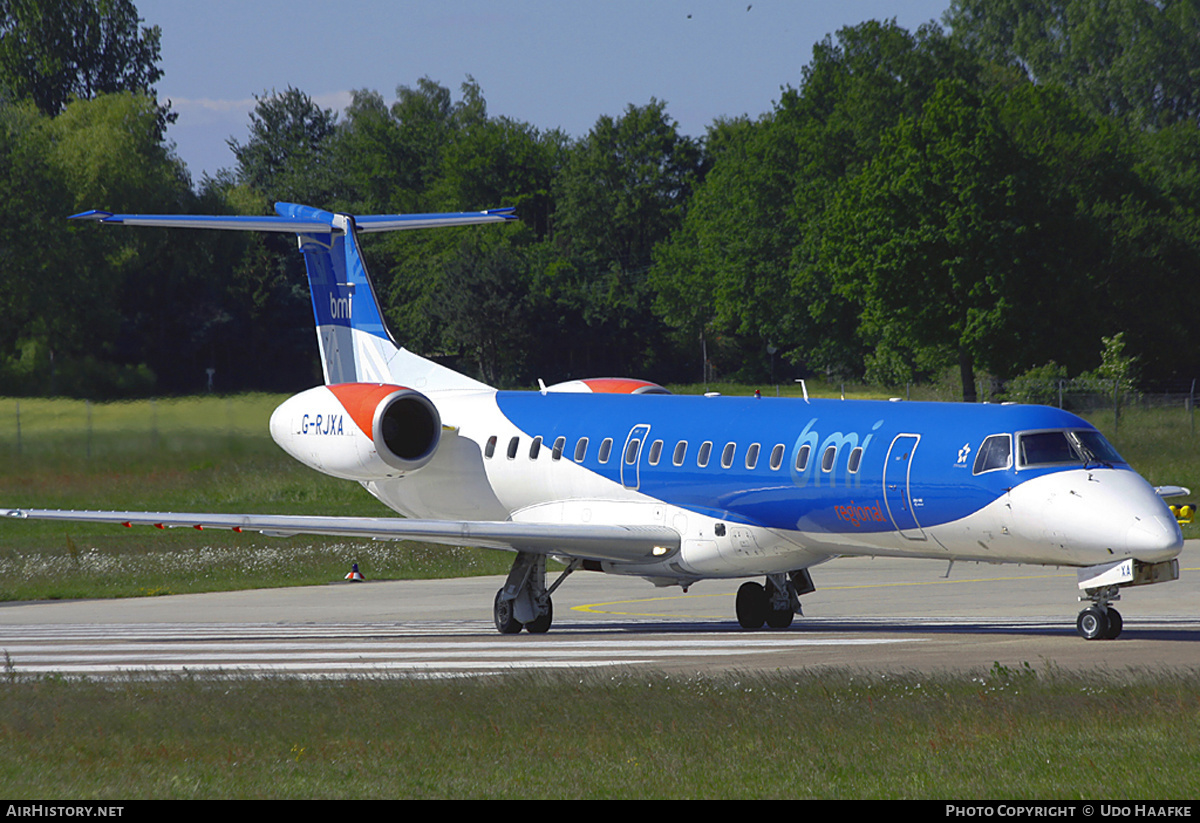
1100	621
1095	623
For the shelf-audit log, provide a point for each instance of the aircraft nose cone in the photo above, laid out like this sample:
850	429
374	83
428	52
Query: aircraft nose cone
1095	515
1152	539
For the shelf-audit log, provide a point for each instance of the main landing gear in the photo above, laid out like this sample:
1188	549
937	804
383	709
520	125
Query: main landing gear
523	602
774	604
1100	621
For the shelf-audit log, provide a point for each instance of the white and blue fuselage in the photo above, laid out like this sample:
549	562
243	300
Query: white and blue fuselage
759	485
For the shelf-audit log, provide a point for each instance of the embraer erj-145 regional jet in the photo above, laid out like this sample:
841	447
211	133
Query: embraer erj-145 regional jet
619	476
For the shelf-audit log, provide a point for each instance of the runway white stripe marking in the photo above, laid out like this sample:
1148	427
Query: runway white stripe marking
525	646
360	649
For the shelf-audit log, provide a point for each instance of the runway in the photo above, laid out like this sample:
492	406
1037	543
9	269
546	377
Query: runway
870	614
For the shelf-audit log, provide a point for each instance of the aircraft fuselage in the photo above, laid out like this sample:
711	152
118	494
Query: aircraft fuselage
767	484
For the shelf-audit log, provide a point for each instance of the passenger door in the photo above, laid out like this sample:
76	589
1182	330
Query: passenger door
631	456
897	494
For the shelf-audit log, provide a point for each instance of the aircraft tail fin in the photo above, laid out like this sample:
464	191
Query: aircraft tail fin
356	346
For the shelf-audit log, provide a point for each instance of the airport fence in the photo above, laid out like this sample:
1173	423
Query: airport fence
1089	396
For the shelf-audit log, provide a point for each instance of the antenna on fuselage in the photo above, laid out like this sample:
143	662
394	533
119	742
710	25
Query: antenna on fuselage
803	388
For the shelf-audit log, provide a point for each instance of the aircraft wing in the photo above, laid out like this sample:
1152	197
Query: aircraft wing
598	542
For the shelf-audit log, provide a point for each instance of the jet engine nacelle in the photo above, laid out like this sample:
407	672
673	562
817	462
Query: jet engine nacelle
608	385
359	431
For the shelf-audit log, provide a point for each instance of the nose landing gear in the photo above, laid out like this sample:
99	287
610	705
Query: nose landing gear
1100	621
1095	623
1102	585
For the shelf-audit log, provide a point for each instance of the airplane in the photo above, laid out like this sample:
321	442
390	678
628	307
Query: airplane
622	477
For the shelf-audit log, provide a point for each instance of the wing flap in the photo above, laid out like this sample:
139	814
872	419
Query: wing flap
589	542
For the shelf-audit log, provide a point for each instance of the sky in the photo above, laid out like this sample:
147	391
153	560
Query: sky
550	63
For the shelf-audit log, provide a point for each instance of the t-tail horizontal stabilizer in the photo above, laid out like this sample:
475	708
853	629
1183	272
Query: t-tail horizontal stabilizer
356	346
294	217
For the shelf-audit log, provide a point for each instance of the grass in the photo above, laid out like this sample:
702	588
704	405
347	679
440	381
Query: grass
997	735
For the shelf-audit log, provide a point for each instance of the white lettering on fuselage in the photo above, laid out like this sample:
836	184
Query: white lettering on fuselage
339	307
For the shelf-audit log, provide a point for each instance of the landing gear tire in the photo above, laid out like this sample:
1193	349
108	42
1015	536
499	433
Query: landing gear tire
752	606
502	614
541	623
1093	624
780	618
1115	623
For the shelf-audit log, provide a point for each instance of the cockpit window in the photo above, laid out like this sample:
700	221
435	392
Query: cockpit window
995	453
1083	446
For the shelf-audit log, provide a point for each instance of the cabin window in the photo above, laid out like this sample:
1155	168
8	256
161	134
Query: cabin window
512	447
704	453
631	451
1044	448
559	445
490	448
994	453
727	455
1092	447
855	461
680	453
605	449
802	457
655	452
581	449
1085	446
828	458
535	448
752	455
777	456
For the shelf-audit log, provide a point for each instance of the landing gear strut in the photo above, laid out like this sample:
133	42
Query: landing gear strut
776	603
1100	621
523	602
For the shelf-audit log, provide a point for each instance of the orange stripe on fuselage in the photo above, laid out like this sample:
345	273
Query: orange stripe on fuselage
361	399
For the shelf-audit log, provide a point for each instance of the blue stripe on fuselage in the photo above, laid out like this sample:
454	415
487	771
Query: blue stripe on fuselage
943	486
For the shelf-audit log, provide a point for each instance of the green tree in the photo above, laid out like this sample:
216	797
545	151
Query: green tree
1132	59
53	50
483	306
926	239
746	262
721	279
68	283
624	187
288	155
494	161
